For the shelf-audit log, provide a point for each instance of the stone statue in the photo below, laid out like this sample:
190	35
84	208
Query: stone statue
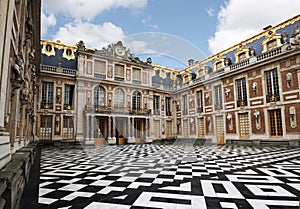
80	46
285	38
295	36
252	51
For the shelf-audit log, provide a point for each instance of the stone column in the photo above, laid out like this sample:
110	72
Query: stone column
92	129
147	130
112	140
132	138
109	128
128	128
87	128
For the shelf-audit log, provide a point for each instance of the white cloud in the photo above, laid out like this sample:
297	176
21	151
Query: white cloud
46	22
241	19
94	36
89	9
210	12
147	20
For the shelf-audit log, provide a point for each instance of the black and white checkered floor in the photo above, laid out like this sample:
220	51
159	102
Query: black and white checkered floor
170	176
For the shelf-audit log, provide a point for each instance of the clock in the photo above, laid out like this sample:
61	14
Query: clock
120	51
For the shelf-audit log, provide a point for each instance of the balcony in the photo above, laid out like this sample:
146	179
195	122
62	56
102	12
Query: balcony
236	66
68	107
168	113
273	98
116	110
58	70
241	103
199	109
46	105
218	106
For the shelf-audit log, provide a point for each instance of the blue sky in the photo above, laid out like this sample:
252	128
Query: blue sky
170	31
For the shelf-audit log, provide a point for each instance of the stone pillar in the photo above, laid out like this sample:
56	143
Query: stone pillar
113	131
80	112
87	128
91	130
132	138
128	128
109	128
147	129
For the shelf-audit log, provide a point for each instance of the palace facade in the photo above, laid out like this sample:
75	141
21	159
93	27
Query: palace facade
19	64
246	93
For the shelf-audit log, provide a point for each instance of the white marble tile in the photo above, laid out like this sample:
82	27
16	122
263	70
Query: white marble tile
254	179
144	200
282	173
135	185
229	205
278	190
208	189
109	189
128	178
100	205
182	187
72	187
77	194
102	183
47	201
263	204
43	191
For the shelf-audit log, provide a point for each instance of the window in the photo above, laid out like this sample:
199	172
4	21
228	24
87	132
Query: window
156	104
48	48
242	56
218	97
136	75
168	106
241	92
136	100
272	85
272	44
68	130
46	127
47	95
100	67
184	101
68	97
119	99
99	96
119	72
219	65
199	98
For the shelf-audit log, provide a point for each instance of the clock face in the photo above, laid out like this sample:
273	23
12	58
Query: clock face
120	51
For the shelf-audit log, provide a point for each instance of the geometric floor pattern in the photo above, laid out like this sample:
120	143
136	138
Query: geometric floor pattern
170	177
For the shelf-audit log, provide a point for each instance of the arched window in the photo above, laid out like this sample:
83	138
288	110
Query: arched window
99	96
119	99
136	100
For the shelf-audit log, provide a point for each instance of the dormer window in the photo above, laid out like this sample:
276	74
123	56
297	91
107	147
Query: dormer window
219	65
242	56
242	53
272	41
271	44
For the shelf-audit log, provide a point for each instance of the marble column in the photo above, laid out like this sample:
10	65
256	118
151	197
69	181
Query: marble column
87	128
132	138
112	140
128	128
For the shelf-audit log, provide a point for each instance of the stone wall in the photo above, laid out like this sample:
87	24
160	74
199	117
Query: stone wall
15	175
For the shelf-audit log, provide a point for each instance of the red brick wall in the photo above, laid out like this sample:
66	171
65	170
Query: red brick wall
289	129
261	130
233	121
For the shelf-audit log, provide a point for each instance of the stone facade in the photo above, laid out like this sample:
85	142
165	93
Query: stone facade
248	92
19	42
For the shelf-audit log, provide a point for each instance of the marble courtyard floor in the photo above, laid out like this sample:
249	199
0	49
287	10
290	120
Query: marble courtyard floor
169	176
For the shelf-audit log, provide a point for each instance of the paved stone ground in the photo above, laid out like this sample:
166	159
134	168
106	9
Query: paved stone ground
170	176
